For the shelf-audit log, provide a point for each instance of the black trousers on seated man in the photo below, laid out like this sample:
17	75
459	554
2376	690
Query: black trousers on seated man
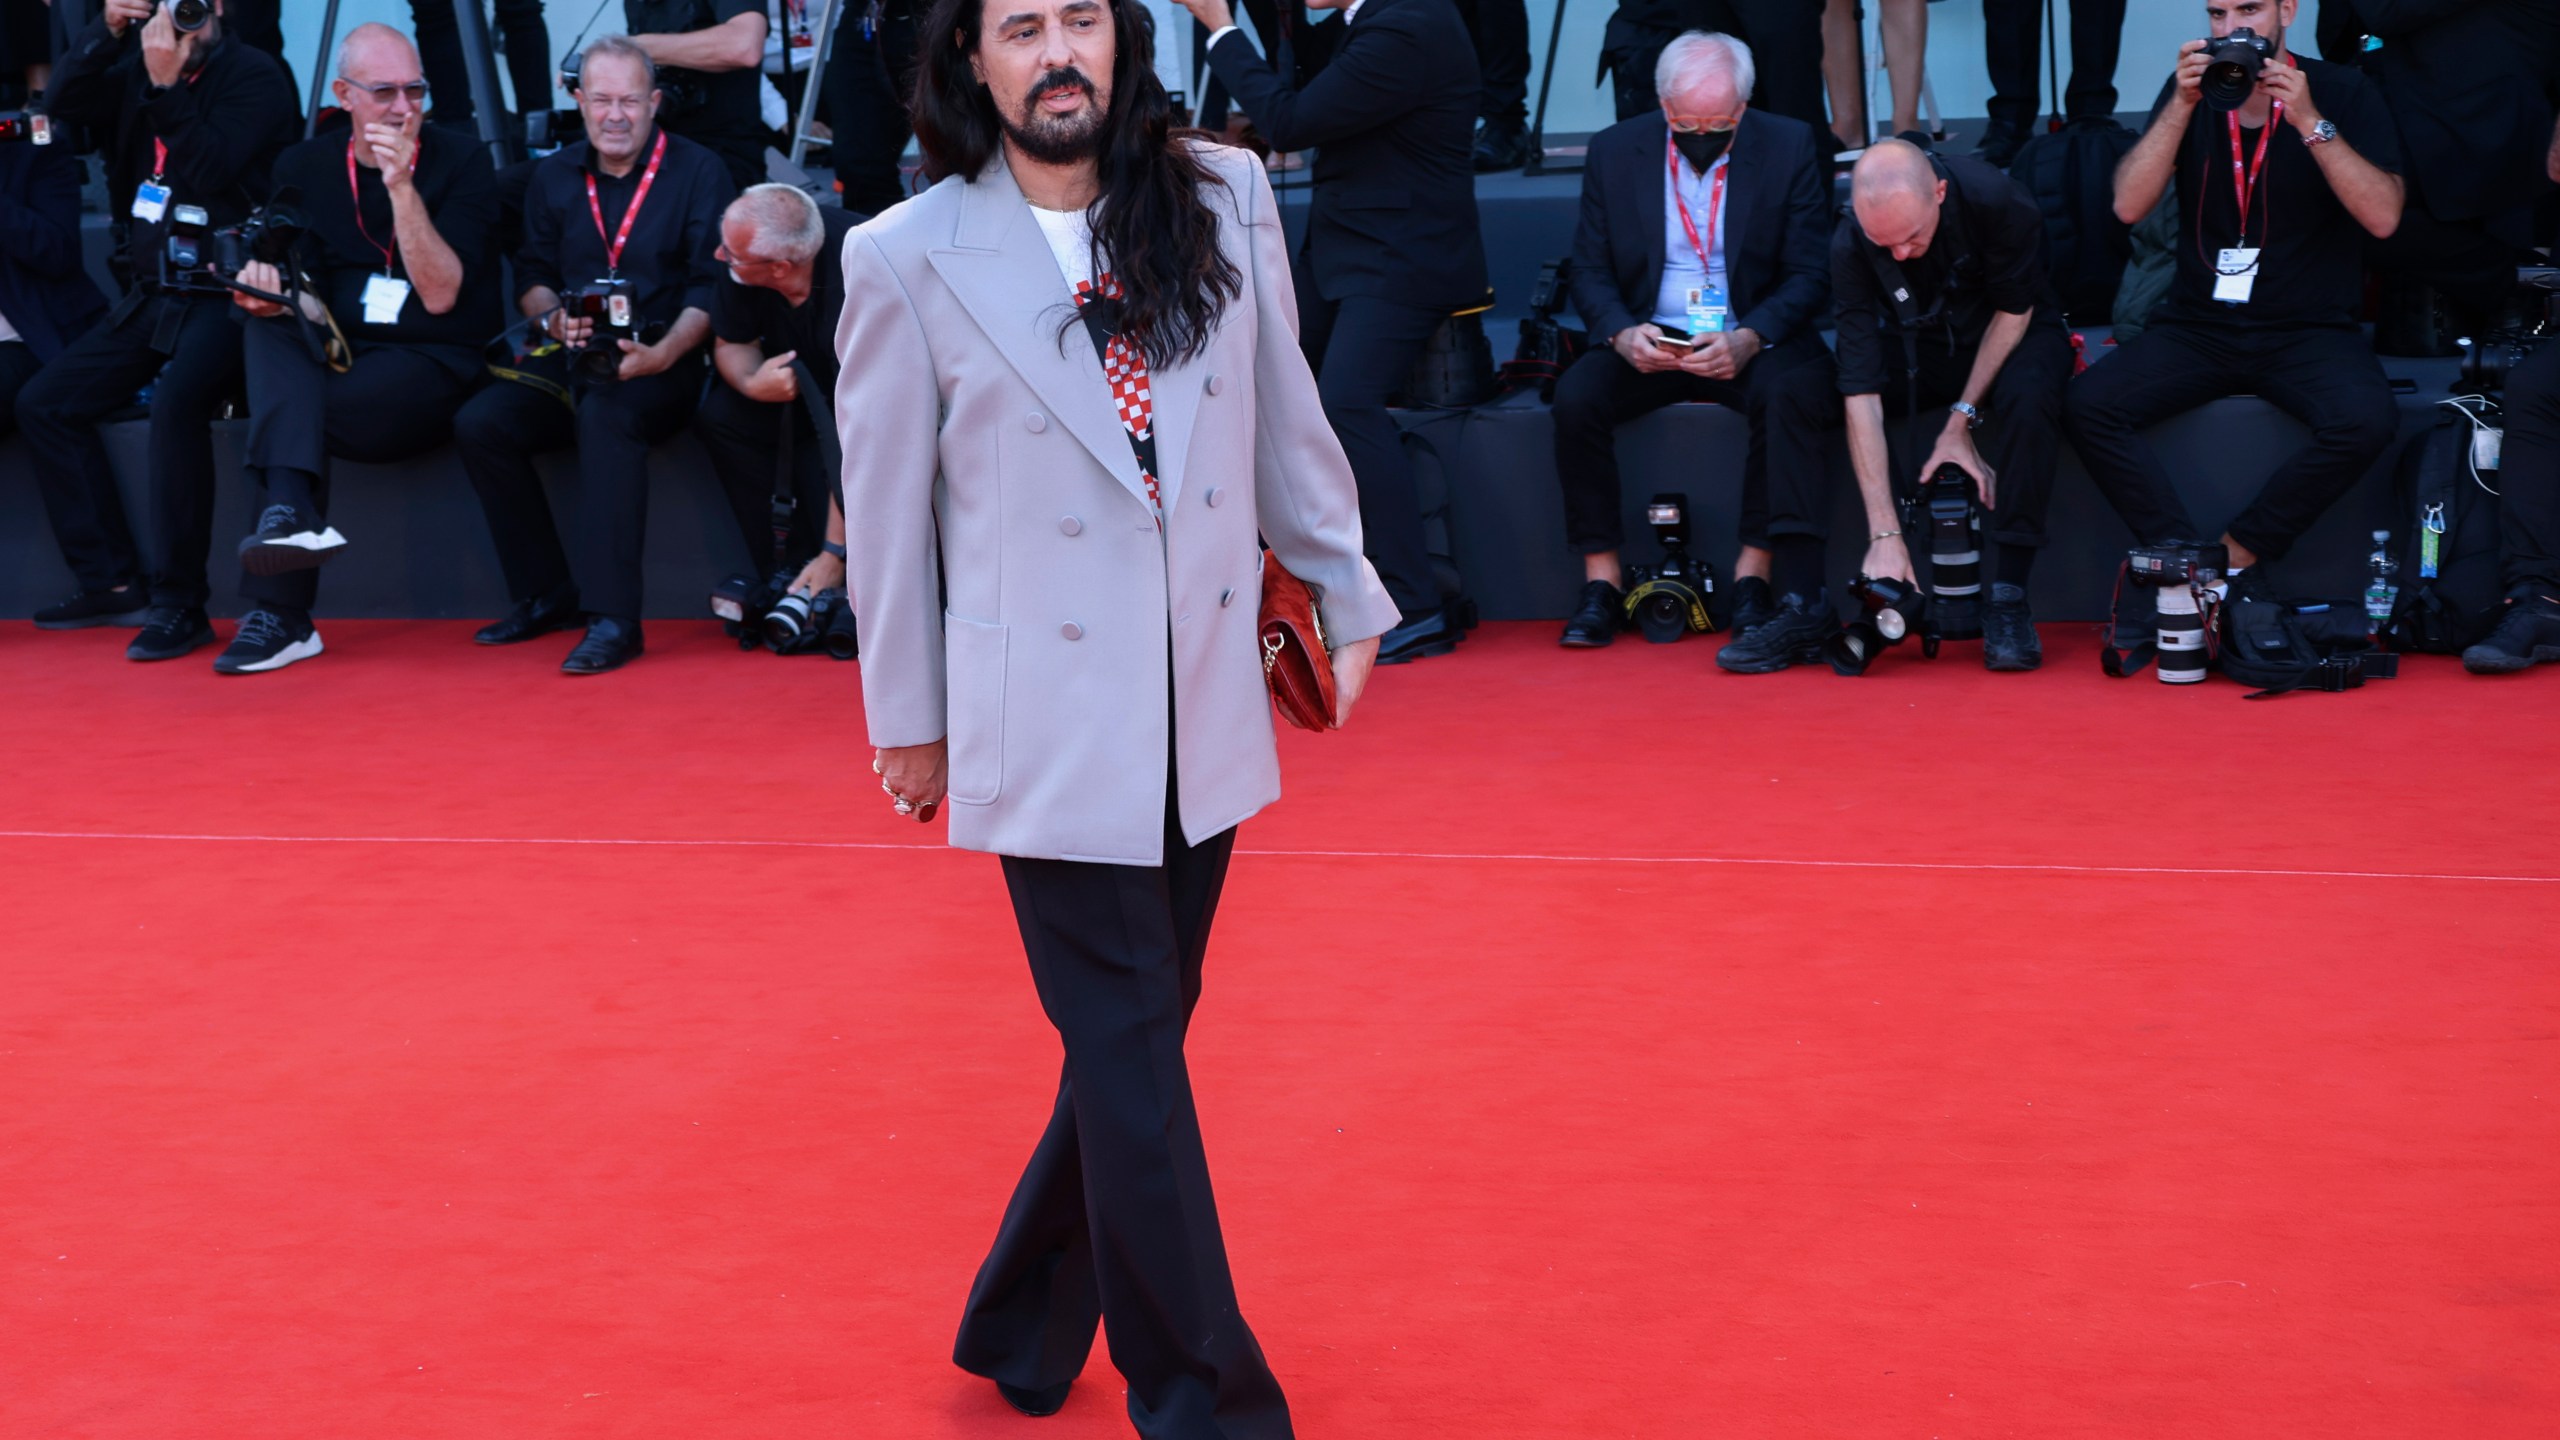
1363	349
2020	438
613	425
393	402
1602	392
744	439
2529	475
192	345
2324	376
1114	1216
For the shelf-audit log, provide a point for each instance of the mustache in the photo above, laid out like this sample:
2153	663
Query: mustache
1061	78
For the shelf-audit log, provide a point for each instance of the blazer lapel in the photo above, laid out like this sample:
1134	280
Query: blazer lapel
1741	167
999	267
1654	207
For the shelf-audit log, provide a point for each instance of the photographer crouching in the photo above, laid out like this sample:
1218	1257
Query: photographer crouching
195	121
397	215
617	271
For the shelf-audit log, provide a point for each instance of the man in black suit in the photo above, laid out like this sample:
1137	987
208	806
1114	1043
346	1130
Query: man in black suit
1391	248
1785	37
1706	212
46	300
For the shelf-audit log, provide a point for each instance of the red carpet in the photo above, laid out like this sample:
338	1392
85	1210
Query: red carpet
1943	1055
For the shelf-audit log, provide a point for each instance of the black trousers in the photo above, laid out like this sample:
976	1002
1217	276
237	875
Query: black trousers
2529	474
393	402
1785	37
18	365
866	97
2324	377
1114	1217
1363	349
92	378
1500	30
2020	438
1602	392
532	69
503	427
744	439
2013	51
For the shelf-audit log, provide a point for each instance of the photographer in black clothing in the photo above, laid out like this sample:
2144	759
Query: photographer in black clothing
623	226
2277	198
1943	312
397	252
710	59
776	303
191	122
2528	519
869	72
522	36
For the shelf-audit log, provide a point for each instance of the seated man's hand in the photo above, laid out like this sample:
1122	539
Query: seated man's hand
1637	346
1888	558
570	330
773	382
259	275
121	14
917	774
1722	357
639	359
1955	447
825	572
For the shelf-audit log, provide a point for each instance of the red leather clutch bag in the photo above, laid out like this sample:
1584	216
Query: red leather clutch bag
1296	661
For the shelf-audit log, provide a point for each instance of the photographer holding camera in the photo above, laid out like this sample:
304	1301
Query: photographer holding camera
398	215
2283	166
193	122
710	59
617	270
1942	306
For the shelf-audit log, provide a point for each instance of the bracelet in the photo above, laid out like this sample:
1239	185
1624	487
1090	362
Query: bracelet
1885	535
834	549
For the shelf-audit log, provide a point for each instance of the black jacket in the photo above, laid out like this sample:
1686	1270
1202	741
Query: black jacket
1777	227
44	292
1986	259
2464	81
1391	116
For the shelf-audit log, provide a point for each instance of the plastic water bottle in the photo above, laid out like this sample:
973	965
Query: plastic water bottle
2381	587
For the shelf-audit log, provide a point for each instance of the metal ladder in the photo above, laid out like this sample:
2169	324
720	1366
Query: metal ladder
826	39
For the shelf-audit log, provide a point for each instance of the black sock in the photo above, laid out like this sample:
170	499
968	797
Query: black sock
1795	566
287	486
2016	561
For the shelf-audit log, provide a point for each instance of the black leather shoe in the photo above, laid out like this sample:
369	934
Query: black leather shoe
610	645
1754	605
1047	1400
530	619
2009	632
1500	146
1793	636
2000	145
1435	633
1597	619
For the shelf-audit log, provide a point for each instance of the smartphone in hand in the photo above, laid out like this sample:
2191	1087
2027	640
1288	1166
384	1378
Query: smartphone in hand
1680	341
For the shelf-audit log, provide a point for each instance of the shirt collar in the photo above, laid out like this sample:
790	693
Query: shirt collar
1351	11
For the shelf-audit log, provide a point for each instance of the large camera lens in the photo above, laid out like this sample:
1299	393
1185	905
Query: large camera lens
2182	652
2231	69
190	14
787	621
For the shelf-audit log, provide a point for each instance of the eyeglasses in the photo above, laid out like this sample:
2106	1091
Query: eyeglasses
727	256
1711	124
415	90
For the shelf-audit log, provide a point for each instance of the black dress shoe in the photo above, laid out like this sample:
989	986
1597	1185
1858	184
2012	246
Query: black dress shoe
1597	618
2000	144
530	619
1434	633
1500	146
610	645
1046	1400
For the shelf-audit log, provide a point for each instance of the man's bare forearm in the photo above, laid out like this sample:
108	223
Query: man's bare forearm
2371	194
2146	170
1871	461
431	263
1999	342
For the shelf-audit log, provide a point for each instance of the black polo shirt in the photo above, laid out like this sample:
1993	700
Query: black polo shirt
669	258
2311	251
1987	258
723	111
460	189
754	315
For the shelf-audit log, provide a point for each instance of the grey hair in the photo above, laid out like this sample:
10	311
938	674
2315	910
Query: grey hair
347	46
1693	57
785	220
623	46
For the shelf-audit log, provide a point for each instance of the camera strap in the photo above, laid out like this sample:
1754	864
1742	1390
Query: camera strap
786	498
595	207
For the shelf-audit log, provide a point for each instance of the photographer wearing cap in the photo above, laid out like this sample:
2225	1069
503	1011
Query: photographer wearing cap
2280	177
192	123
396	258
1944	317
710	59
46	298
773	315
617	271
1699	263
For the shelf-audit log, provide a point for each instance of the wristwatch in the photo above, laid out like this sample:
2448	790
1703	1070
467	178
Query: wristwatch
833	548
2321	134
1972	417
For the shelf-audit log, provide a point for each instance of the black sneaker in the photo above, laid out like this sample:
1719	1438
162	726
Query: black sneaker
2009	633
267	641
1793	636
289	539
169	632
2527	634
1754	605
96	607
1597	619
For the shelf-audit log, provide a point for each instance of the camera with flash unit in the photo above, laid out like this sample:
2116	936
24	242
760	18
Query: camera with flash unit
2232	65
27	127
1669	600
611	304
1894	611
2176	563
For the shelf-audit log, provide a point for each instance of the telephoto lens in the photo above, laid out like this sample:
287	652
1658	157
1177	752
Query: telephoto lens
1955	555
835	627
787	621
2181	653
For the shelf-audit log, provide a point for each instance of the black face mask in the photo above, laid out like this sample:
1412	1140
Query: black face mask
1701	150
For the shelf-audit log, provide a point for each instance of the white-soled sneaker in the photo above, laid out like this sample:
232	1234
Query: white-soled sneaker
267	641
288	539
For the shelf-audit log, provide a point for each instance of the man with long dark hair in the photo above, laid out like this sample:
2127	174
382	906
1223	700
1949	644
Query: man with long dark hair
1071	395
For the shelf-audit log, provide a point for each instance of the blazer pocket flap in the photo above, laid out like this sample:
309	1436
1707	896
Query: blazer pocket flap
974	658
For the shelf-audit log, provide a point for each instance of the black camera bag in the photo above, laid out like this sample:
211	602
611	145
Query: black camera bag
2437	486
2071	173
2282	646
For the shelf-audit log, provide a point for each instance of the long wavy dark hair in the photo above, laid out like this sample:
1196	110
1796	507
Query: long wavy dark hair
1151	219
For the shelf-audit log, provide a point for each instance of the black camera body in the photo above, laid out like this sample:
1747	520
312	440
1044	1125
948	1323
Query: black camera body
2232	66
200	258
611	304
1946	512
768	614
2194	565
190	15
26	127
1893	611
1669	600
2531	320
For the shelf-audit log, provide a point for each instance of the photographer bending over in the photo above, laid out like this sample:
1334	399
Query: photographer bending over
193	122
617	267
1942	308
397	249
2280	177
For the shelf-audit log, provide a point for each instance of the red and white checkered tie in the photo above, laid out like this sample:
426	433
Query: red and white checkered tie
1126	369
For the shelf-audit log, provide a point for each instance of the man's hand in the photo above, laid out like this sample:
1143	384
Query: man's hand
825	572
1955	447
917	774
2191	68
1636	346
395	149
1351	666
164	50
639	360
258	274
773	382
1213	15
571	330
1888	558
122	14
2285	85
1722	357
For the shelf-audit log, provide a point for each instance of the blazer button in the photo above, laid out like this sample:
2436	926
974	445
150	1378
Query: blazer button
1226	597
1070	525
1216	494
1036	421
1217	383
1072	630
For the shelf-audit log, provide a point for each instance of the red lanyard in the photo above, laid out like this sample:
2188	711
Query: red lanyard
2244	183
1715	206
389	250
160	147
595	207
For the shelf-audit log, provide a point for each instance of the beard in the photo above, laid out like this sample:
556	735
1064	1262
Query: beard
1057	139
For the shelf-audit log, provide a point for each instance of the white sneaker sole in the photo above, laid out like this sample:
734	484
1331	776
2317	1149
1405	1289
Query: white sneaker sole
303	551
302	649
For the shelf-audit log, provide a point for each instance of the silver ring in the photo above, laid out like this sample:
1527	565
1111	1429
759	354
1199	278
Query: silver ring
906	806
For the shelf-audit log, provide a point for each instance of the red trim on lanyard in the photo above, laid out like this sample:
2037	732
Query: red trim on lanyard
1715	207
595	207
2244	183
357	196
160	147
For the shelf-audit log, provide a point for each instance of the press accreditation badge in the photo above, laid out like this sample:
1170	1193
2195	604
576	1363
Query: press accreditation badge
2235	275
383	297
150	202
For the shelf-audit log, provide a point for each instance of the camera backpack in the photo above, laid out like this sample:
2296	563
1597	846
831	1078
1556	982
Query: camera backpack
2451	599
1548	347
2071	173
2282	646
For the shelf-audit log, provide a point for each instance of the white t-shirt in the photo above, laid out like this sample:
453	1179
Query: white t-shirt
1070	238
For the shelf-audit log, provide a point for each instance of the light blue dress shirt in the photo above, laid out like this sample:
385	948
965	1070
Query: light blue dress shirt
1681	271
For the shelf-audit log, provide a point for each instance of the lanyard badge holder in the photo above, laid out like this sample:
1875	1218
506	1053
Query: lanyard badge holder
2235	270
1710	311
386	293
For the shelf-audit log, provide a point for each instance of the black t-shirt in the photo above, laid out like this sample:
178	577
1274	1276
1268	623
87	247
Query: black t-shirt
2311	260
668	258
1987	257
722	111
455	180
754	315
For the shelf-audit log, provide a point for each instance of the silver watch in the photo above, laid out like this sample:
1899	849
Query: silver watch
2321	134
1972	417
